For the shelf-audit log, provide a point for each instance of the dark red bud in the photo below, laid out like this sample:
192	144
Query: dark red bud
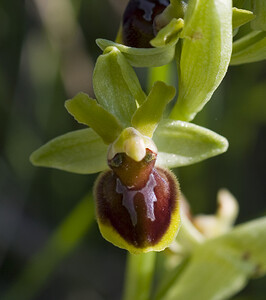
138	27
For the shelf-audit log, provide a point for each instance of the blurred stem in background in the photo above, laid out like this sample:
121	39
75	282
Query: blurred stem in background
63	241
65	35
44	56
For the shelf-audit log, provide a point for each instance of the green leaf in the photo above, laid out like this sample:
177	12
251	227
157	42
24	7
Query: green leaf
259	23
116	85
142	57
149	114
169	35
181	143
205	55
221	267
241	17
250	48
87	111
81	151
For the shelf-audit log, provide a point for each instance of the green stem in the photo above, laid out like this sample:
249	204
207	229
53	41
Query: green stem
169	280
139	275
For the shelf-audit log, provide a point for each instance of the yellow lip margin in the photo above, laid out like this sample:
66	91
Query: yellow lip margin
111	235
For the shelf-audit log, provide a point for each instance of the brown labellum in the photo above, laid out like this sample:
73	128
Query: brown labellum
138	19
137	204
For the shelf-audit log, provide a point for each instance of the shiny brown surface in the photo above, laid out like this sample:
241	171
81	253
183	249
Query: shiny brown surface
145	232
138	19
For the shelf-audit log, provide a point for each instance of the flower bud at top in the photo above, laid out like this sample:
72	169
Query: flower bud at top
138	21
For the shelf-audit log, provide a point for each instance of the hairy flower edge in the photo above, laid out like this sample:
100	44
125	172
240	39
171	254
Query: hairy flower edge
113	234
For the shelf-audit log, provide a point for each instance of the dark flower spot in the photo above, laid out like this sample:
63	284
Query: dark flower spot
138	27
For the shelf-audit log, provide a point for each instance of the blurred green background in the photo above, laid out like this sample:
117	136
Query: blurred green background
47	54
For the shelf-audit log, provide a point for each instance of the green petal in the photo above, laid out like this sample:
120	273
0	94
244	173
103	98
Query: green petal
116	85
168	35
241	17
119	37
149	114
87	111
175	10
142	57
181	143
221	267
250	48
205	56
81	151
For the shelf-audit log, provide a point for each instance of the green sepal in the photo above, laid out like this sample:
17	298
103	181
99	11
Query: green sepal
181	143
169	35
149	114
241	17
226	263
250	48
81	151
87	111
259	23
116	85
142	57
205	56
